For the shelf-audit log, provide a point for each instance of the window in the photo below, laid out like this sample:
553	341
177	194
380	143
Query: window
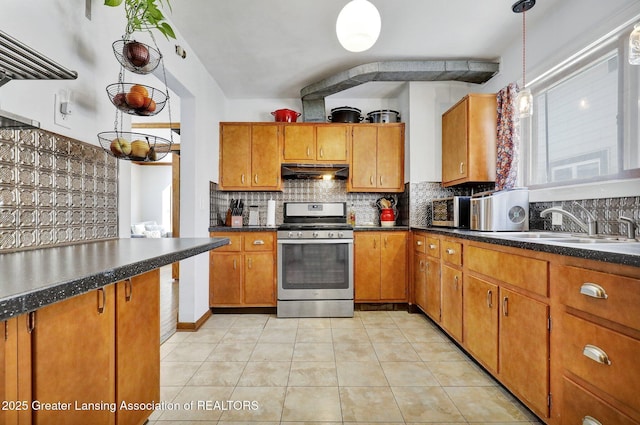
585	121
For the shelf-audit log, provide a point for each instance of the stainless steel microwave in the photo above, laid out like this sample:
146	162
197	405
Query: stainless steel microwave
451	212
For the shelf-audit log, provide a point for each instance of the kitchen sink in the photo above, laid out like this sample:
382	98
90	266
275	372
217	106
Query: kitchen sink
538	235
588	240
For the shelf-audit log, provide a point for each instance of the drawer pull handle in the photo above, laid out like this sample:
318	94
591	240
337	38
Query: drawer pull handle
489	299
258	242
455	282
505	306
588	420
450	251
371	180
593	290
128	290
432	246
419	243
596	354
242	179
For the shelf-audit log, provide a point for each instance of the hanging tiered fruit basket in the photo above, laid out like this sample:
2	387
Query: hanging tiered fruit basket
134	98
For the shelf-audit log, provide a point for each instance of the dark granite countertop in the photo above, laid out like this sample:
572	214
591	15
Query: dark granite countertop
379	228
36	278
617	253
242	229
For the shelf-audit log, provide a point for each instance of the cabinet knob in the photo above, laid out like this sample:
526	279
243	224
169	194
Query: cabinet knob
419	243
432	246
596	354
450	251
589	420
593	290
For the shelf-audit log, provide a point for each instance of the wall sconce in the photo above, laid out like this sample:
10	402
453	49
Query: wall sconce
524	100
358	25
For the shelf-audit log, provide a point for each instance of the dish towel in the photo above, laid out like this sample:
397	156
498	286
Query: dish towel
508	140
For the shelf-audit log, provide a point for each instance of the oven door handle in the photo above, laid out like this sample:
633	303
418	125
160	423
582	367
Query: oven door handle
313	241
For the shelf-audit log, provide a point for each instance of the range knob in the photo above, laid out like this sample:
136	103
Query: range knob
290	235
331	234
299	234
315	234
341	235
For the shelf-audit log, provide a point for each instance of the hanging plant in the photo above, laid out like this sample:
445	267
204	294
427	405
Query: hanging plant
144	15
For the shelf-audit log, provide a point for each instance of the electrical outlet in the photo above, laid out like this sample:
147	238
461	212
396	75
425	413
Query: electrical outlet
63	120
556	219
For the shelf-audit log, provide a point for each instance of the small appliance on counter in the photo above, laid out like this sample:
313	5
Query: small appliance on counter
453	211
505	210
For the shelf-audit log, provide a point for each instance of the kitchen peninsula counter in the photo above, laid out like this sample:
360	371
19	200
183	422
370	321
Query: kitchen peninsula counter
36	278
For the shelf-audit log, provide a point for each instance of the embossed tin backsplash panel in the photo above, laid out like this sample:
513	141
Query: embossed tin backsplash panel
54	190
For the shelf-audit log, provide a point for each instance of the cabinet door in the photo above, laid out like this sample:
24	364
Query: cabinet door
452	301
225	277
454	143
138	345
366	247
364	147
480	320
393	266
235	155
265	156
420	281
299	143
390	161
332	142
524	349
433	289
73	346
259	279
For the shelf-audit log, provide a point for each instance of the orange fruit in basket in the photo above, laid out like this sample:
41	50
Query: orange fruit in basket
135	99
137	88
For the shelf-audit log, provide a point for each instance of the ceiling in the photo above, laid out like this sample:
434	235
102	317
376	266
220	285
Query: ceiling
272	49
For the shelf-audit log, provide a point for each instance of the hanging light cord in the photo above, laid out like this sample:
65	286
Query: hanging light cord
524	48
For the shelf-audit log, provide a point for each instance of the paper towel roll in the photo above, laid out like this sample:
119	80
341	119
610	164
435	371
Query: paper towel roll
271	213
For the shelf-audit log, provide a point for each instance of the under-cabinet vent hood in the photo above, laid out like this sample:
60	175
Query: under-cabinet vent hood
315	171
20	62
16	122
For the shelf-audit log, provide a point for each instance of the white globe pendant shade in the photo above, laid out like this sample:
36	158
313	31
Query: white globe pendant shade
524	103
358	25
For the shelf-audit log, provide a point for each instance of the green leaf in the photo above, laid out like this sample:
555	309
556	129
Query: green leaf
167	30
112	3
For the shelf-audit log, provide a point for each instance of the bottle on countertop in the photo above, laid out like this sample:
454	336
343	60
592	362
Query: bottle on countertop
351	217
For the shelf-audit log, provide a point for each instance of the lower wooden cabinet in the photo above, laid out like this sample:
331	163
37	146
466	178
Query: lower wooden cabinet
480	321
451	316
15	371
74	357
420	281
137	345
433	289
524	349
380	266
243	274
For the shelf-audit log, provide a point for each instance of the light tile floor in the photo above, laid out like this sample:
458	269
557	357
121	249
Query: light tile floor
387	367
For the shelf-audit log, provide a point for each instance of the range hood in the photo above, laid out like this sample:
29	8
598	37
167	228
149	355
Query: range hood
16	122
315	171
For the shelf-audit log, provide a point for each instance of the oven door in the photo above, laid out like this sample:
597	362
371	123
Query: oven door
315	269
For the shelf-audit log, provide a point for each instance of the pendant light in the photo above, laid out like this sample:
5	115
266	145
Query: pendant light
358	25
634	45
524	100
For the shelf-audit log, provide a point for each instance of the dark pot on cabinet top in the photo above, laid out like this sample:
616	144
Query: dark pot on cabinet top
285	115
345	114
383	116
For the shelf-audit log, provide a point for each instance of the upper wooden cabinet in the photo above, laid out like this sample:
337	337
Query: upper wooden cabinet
377	158
311	143
250	156
469	140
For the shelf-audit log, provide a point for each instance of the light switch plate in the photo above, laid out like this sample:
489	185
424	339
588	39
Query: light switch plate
556	219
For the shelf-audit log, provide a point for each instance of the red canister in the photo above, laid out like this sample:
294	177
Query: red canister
285	115
387	217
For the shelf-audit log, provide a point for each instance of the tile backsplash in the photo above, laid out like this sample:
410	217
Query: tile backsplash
54	191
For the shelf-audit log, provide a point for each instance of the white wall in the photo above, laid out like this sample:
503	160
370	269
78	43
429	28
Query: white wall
147	185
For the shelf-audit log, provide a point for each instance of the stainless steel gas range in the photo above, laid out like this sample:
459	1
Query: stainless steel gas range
315	261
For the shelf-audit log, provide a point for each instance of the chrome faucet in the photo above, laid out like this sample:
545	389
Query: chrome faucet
631	226
591	227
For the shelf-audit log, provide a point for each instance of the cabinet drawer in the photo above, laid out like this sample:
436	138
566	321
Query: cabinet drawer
579	404
526	273
603	357
451	252
605	295
258	241
235	242
433	247
420	243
